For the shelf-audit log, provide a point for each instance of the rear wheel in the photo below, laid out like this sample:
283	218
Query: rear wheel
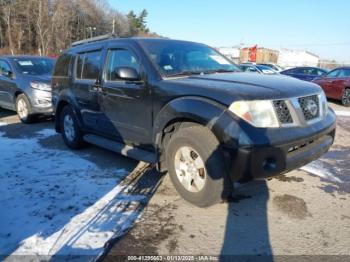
345	100
196	165
24	110
71	133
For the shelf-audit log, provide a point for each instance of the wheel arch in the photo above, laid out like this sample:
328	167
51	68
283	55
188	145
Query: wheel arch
63	101
188	109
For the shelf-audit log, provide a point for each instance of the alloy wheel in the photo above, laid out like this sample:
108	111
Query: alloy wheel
68	127
346	97
22	108
190	169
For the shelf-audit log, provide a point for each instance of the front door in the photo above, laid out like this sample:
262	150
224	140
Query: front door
127	105
328	81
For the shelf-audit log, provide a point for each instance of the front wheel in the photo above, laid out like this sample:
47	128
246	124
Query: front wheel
24	109
345	100
196	165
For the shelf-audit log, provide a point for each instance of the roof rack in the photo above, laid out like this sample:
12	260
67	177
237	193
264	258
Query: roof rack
94	39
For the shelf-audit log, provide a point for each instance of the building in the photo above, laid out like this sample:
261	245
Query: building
293	58
263	55
231	53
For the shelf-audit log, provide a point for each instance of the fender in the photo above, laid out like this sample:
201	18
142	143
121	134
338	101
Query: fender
66	97
204	111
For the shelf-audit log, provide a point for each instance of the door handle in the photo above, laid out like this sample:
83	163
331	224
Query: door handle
95	88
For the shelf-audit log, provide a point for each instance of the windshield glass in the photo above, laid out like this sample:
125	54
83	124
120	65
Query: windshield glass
35	66
176	58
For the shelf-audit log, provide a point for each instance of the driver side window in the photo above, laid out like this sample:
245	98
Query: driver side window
4	68
120	58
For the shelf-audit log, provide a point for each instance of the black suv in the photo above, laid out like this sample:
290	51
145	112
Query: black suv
187	108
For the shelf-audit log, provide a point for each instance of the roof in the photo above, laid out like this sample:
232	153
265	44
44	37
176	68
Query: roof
23	56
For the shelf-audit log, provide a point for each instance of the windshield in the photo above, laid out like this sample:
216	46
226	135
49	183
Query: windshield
35	66
176	58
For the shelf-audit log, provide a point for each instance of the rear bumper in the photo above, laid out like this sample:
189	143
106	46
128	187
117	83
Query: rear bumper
263	161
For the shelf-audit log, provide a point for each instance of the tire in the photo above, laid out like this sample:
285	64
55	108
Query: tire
24	109
71	133
207	187
345	99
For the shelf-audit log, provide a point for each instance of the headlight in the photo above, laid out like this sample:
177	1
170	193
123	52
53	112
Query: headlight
323	102
40	86
258	113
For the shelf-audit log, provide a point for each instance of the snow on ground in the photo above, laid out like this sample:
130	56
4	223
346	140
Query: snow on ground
334	165
54	202
342	113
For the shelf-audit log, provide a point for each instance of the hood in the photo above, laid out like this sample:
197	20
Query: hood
229	87
38	78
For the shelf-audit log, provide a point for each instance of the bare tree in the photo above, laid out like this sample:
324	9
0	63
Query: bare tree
49	26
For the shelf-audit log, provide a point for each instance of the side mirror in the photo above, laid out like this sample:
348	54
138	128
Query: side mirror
127	73
8	74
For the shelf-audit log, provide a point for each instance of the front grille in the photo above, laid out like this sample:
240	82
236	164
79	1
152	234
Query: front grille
282	111
310	106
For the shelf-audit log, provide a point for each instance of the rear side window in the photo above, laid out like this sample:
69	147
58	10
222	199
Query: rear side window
62	65
88	65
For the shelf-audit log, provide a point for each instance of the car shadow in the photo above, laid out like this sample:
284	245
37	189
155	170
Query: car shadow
6	113
246	236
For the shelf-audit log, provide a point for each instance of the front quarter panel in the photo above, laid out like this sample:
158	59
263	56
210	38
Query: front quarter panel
190	108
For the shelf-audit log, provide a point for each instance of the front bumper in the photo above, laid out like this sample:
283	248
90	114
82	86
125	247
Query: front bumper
269	153
41	102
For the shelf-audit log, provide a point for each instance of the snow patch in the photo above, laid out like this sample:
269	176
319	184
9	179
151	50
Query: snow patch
318	170
46	132
342	113
55	202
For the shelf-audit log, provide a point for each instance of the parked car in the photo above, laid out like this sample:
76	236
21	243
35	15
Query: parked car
336	84
25	85
305	73
260	69
275	67
189	110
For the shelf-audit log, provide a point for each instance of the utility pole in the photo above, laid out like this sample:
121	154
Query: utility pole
113	26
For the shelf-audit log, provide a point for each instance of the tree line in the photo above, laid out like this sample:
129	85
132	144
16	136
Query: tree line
46	27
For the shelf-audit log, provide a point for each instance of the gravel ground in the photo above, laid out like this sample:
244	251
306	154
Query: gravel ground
295	214
300	213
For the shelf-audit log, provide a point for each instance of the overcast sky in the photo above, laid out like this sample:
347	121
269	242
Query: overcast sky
320	26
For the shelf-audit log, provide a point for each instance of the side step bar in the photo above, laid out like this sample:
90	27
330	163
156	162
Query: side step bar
125	150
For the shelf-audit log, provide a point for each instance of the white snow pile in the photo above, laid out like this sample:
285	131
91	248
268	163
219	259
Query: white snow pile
55	202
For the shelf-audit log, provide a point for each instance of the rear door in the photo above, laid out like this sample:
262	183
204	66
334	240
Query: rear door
126	105
7	85
86	86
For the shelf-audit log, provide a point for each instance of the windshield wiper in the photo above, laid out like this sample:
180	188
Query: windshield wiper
220	71
186	73
189	72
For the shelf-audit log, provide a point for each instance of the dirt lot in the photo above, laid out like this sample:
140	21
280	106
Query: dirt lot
300	213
